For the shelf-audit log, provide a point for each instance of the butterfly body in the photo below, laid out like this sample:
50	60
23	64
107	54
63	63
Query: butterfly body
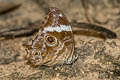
54	43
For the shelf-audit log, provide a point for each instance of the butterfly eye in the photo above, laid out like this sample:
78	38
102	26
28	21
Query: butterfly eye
51	41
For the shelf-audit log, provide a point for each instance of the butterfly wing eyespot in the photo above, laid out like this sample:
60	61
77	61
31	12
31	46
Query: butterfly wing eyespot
36	53
51	40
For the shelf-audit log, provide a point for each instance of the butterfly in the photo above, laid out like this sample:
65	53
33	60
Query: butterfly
54	43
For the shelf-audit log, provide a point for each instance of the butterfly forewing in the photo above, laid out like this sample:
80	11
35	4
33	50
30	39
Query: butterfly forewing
54	43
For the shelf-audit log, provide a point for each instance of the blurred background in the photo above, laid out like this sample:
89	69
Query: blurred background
21	11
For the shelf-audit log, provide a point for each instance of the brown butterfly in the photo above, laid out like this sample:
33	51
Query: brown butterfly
54	43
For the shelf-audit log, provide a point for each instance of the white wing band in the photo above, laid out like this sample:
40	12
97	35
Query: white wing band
57	28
